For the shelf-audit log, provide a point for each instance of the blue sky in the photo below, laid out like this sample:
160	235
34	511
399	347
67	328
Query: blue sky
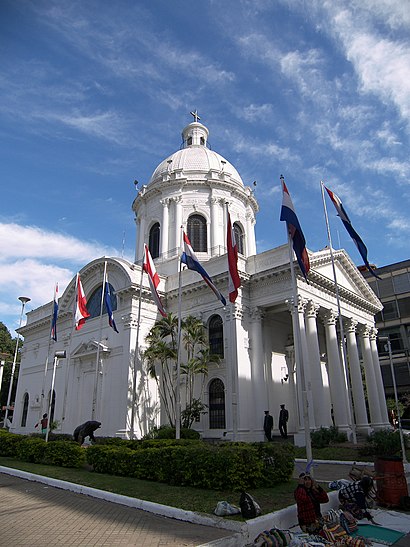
95	94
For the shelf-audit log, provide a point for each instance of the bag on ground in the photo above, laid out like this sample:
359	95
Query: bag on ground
249	507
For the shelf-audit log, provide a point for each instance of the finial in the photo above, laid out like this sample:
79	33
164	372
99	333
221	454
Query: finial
195	115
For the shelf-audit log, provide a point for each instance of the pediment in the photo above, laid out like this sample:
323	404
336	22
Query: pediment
85	349
349	280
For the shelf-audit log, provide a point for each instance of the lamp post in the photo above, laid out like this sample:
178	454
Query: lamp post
58	355
388	345
23	300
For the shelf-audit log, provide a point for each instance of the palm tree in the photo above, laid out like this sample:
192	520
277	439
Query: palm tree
161	358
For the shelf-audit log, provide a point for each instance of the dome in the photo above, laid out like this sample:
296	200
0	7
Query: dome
195	159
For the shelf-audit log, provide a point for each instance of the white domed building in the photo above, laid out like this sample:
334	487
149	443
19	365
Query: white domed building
103	378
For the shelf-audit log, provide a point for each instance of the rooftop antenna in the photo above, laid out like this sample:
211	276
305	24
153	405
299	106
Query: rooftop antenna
123	244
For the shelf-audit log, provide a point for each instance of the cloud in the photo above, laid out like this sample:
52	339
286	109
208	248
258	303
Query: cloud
18	241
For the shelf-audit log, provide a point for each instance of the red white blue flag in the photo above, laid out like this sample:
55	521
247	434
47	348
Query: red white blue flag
153	279
341	212
55	315
81	312
295	231
108	305
234	281
189	258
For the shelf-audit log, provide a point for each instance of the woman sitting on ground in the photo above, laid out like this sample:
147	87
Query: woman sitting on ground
309	495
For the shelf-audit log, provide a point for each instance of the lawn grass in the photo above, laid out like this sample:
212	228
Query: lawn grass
191	499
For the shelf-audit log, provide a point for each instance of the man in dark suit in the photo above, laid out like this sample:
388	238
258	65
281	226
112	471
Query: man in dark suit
283	421
268	425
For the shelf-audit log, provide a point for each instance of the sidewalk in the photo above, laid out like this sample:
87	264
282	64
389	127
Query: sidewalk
37	515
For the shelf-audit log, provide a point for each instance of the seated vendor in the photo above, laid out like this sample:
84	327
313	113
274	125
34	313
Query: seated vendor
309	495
353	498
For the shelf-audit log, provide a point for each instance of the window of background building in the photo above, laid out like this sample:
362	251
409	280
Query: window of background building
153	241
401	283
197	233
216	335
216	404
404	307
384	287
390	310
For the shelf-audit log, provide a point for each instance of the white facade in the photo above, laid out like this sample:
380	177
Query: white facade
260	368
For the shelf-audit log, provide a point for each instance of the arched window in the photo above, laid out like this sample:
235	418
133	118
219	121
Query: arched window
25	410
216	404
94	302
216	335
197	233
153	242
239	237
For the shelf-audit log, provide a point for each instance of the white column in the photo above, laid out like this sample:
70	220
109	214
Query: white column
164	227
378	377
214	227
178	220
337	381
295	414
362	423
322	414
372	391
250	235
259	381
140	235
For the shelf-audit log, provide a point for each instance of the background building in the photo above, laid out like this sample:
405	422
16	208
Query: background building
393	290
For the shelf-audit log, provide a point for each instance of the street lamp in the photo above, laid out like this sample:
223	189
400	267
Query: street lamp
23	300
388	346
58	355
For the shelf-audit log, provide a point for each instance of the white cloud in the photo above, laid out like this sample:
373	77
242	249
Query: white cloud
18	241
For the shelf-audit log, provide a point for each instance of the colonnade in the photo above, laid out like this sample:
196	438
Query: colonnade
171	231
346	393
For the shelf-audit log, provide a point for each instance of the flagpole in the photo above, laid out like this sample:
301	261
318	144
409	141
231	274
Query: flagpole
67	371
97	361
178	387
299	354
40	415
342	336
136	357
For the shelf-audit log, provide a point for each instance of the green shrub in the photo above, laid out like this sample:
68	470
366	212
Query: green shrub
383	443
236	466
324	436
9	442
64	454
31	449
168	432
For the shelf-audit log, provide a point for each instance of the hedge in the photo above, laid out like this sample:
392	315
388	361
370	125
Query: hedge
237	466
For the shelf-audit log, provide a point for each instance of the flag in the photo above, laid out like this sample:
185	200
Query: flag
153	279
295	231
55	314
352	232
234	281
81	312
107	301
188	257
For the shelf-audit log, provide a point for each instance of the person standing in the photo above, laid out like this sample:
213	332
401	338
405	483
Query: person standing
268	425
309	496
283	421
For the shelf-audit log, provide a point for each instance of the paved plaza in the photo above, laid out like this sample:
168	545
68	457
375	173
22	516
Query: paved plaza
36	515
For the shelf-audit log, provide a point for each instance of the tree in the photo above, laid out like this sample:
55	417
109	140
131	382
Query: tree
7	349
161	358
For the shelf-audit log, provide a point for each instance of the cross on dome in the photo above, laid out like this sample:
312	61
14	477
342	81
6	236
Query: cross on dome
195	115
